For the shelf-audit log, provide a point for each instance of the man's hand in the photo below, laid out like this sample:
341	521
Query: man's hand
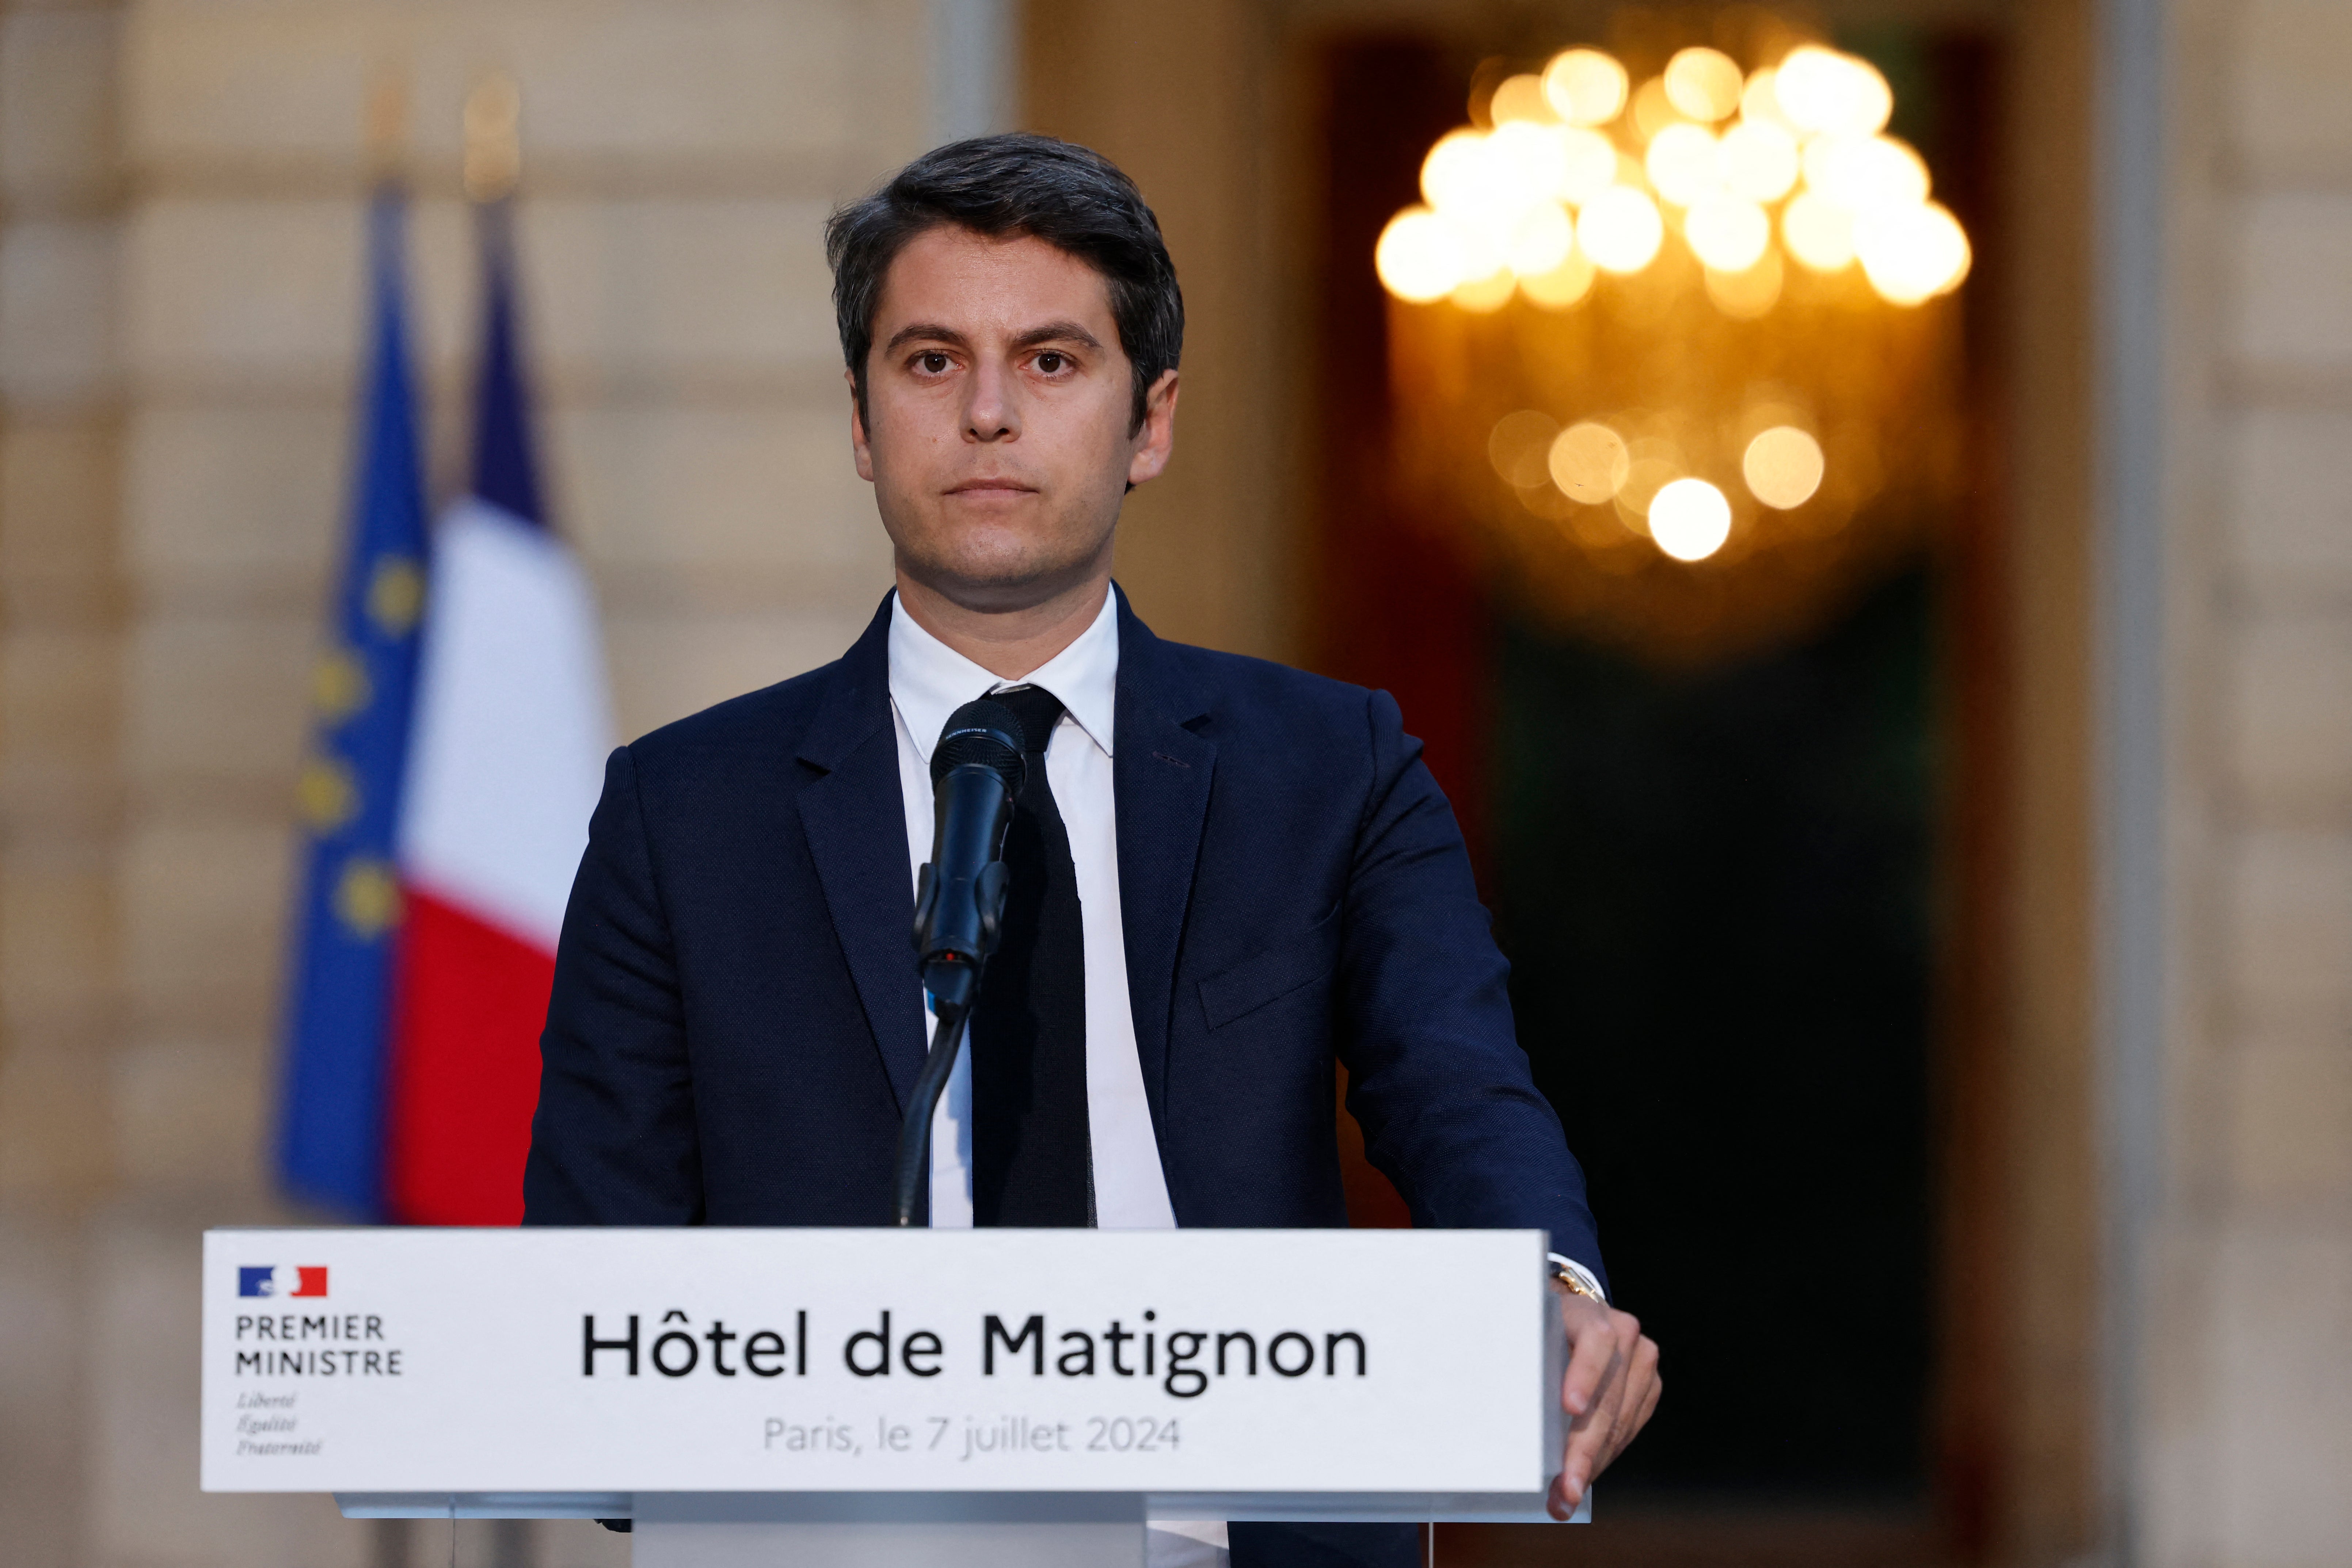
1609	1390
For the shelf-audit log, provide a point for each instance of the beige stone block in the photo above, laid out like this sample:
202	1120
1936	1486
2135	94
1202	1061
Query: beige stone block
57	104
760	486
2286	925
193	1113
2289	308
665	668
144	1508
219	501
57	941
2291	1115
2286	102
57	311
733	288
54	1140
2289	513
270	293
283	80
2284	1397
219	697
58	490
243	289
41	1346
57	700
2291	712
203	919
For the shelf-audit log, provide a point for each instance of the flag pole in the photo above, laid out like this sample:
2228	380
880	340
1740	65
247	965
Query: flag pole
493	139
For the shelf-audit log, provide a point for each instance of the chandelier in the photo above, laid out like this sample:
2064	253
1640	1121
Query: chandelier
1681	340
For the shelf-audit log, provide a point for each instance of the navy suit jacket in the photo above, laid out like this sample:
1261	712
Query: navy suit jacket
736	1020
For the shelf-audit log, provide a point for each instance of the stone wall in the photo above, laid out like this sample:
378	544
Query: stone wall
180	310
2248	1375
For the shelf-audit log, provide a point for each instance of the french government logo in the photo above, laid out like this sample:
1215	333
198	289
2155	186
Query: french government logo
266	1280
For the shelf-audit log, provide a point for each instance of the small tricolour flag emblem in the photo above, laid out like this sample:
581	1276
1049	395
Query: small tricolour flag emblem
268	1279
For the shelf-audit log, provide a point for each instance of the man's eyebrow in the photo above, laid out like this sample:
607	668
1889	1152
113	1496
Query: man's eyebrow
932	333
1056	332
924	331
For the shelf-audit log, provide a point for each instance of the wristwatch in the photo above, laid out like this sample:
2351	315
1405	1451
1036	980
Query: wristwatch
1572	1277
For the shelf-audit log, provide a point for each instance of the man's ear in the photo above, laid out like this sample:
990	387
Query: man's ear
862	448
1155	443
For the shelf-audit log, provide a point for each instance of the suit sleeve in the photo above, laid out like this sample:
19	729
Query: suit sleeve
1435	1075
612	1142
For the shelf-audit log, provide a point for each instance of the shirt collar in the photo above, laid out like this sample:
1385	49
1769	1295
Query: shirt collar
929	680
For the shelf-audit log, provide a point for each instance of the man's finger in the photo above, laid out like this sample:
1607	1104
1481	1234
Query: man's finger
1586	1451
1649	1406
1593	1355
1590	1446
1642	1386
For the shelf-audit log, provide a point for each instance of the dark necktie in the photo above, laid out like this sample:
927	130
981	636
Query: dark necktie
1031	1155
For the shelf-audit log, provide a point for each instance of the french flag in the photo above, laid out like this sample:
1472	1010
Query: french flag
506	760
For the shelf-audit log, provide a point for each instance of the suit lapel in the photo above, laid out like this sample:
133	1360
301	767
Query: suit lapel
1160	776
855	820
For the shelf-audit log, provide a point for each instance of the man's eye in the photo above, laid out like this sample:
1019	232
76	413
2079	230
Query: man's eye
1051	362
933	362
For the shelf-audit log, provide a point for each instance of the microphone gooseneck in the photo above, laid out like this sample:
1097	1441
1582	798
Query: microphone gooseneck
977	768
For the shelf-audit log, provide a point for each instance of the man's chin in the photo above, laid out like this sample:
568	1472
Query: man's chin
998	585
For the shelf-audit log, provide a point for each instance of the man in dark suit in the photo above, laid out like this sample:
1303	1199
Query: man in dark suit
1226	874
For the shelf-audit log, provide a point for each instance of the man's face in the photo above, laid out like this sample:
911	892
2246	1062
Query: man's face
996	425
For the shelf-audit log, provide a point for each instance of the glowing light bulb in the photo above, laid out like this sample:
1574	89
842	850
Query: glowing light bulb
1682	163
1620	230
1818	232
1704	84
1589	462
1822	90
1758	105
1539	241
1727	232
1585	86
1758	161
1865	174
1912	254
1588	164
1417	258
1689	519
1458	177
1521	97
1652	110
1783	466
1528	161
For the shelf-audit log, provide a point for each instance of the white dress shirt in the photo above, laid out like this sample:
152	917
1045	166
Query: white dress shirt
929	681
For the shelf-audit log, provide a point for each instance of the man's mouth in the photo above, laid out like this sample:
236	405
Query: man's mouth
984	488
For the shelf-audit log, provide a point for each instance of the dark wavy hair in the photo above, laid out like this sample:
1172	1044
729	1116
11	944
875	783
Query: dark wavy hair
1071	197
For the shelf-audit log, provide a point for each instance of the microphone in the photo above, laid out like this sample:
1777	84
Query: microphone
976	771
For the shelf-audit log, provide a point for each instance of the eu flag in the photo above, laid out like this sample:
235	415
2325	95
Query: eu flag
337	1020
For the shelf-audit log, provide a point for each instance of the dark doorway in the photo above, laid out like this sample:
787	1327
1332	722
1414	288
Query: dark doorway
1714	887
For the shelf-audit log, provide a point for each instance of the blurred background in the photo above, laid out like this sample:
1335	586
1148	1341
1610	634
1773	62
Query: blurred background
1841	488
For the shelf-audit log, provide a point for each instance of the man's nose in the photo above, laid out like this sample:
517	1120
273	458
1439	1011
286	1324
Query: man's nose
991	410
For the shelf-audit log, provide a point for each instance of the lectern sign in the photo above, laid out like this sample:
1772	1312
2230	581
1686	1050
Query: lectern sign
851	1361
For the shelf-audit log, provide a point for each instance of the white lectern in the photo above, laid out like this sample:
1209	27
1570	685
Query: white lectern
885	1396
